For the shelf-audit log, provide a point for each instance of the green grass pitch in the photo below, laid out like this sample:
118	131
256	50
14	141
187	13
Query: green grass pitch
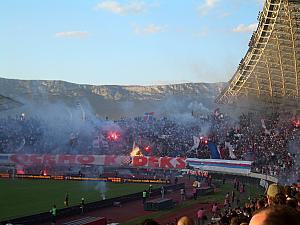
25	197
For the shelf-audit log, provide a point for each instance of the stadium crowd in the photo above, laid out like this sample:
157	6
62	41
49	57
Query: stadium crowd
279	206
264	139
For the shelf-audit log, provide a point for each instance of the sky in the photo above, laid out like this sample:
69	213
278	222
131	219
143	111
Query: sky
125	42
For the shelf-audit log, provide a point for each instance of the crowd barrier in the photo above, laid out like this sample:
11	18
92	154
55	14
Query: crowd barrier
263	177
76	178
261	180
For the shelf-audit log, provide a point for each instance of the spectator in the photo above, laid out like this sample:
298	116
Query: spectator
297	197
66	202
278	215
82	205
226	200
162	192
201	216
144	196
150	190
260	204
194	193
53	213
182	194
273	190
214	209
185	221
232	197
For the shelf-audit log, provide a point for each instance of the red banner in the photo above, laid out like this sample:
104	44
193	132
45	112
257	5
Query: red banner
101	160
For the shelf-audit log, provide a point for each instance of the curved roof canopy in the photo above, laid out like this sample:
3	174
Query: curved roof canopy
270	70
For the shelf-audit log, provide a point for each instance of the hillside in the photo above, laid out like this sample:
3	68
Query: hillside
113	100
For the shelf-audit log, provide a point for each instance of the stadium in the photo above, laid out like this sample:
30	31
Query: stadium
236	163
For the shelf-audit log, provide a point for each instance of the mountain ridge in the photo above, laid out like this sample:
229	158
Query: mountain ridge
108	99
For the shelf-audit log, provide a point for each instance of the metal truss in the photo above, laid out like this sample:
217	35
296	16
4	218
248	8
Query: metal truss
271	67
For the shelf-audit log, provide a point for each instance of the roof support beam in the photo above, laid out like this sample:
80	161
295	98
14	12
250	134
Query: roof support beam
280	65
294	48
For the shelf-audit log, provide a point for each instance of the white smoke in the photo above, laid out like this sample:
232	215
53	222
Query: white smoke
198	107
102	189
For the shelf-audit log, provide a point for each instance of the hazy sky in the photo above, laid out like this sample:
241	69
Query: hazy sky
125	42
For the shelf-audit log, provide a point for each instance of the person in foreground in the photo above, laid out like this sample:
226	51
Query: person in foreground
276	215
185	221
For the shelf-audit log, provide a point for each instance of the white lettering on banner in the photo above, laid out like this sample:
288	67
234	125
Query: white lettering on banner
200	173
158	162
35	159
107	160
